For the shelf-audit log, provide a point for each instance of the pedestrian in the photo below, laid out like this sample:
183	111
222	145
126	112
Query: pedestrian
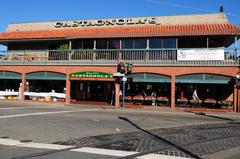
195	97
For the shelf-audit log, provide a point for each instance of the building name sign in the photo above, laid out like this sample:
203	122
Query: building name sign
107	22
92	76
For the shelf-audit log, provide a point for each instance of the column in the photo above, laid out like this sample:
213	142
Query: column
173	79
68	89
235	98
117	95
238	97
23	87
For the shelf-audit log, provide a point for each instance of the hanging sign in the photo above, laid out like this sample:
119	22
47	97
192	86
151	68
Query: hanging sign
92	76
200	54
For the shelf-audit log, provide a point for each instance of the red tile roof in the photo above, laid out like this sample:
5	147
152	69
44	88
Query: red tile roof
127	32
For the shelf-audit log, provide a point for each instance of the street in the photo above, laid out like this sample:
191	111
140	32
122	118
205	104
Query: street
37	130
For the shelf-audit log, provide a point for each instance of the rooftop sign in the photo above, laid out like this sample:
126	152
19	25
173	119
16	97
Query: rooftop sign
107	22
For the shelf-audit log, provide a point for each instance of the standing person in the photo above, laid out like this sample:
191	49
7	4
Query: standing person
195	97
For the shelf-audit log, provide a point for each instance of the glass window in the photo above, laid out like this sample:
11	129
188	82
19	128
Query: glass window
155	43
101	44
127	44
88	44
140	43
77	44
114	44
169	43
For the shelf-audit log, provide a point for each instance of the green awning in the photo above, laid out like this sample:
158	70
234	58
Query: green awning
203	78
10	75
45	76
149	77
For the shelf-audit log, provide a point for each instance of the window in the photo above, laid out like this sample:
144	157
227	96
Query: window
162	43
127	44
101	44
155	43
140	43
113	44
88	44
134	43
169	43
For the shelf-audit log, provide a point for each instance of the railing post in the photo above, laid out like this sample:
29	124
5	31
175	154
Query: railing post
120	51
147	52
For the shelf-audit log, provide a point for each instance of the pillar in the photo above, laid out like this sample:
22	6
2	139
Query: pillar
68	89
235	98
238	104
117	95
23	87
173	79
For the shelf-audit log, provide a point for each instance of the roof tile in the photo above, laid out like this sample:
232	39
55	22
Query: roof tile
118	32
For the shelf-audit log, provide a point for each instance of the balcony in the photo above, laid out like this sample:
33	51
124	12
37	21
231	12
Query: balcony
161	57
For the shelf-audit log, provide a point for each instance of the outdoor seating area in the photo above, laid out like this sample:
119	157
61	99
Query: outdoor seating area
210	103
9	94
45	96
148	100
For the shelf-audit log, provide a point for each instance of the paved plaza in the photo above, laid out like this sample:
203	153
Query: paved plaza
41	130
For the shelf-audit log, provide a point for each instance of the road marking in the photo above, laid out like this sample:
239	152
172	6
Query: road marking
9	142
97	151
119	153
104	151
13	108
45	146
45	113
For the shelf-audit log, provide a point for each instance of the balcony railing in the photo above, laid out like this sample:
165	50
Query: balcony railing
100	57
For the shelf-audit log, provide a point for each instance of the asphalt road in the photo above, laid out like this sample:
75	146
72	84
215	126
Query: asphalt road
53	123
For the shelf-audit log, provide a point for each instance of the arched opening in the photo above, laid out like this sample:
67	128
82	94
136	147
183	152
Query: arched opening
45	86
204	90
148	89
9	84
91	87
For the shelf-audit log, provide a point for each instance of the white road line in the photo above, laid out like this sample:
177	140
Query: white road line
45	146
97	151
9	142
13	108
119	153
104	151
45	113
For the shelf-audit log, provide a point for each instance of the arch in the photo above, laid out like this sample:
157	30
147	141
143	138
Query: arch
45	75
203	78
10	75
149	77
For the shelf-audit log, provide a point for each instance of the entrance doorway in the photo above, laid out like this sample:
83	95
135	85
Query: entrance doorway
92	90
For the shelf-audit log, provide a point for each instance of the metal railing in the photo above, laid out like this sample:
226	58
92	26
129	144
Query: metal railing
98	56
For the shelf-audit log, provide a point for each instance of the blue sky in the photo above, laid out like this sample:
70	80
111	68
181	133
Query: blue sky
14	11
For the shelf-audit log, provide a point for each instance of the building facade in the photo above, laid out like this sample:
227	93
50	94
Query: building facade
76	61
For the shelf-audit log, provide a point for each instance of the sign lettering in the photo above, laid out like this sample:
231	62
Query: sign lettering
112	22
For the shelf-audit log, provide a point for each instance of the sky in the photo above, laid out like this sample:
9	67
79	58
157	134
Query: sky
16	11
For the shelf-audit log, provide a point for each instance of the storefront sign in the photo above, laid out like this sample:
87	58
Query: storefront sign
92	76
107	22
200	54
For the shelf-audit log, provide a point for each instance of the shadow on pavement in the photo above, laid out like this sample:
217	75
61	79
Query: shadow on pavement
156	137
212	116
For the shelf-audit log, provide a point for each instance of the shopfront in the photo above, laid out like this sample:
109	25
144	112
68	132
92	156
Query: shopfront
92	86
